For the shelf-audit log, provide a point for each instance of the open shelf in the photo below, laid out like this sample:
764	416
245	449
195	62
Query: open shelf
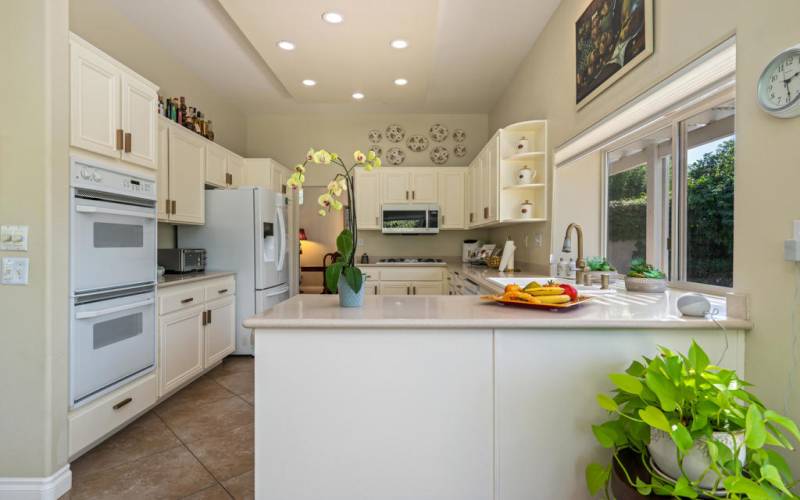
525	156
524	186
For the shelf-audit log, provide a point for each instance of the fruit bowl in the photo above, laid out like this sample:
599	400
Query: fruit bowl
500	299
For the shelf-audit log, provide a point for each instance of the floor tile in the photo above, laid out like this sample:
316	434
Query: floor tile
249	397
241	487
190	422
144	437
204	390
233	364
215	492
226	455
173	473
238	382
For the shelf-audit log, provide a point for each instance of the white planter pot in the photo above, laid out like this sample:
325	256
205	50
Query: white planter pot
665	456
646	285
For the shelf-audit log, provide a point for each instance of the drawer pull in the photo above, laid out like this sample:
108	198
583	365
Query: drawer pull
224	290
122	403
119	136
186	301
128	140
208	316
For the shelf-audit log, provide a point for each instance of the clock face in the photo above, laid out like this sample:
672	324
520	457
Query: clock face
779	86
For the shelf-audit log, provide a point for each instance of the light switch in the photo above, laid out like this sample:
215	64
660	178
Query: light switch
15	271
14	238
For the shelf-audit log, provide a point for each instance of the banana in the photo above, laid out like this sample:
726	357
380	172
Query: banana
554	299
545	291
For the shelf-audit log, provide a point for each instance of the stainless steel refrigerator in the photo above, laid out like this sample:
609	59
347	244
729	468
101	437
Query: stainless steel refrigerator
247	230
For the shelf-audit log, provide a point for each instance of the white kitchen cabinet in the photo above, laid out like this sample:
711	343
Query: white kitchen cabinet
396	185
452	190
235	170
424	182
162	180
216	165
427	288
395	288
415	185
186	165
368	204
280	175
112	109
180	347
220	330
490	164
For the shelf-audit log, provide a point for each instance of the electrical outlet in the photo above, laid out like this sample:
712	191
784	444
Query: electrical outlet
14	238
15	271
538	240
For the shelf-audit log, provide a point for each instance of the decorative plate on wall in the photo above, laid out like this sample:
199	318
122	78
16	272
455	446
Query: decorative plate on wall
375	136
438	132
395	156
460	150
417	143
377	149
440	155
395	133
459	135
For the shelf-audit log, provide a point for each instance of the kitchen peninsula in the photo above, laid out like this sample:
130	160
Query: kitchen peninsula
448	397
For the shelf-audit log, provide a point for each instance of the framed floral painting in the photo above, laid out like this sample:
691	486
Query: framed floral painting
611	38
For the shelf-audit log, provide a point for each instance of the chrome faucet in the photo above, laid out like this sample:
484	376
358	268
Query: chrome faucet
580	264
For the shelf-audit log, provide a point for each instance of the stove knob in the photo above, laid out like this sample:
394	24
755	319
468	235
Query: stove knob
85	173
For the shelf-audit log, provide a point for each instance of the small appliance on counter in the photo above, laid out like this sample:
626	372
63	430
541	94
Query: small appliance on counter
469	250
182	260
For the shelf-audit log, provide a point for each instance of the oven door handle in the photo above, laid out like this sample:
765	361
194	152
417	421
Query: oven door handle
87	209
112	310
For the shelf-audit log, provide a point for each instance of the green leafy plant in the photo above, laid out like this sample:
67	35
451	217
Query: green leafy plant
330	200
599	264
692	401
641	269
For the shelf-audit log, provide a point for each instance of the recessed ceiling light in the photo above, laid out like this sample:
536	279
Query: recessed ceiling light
400	81
358	96
309	83
399	44
332	17
286	45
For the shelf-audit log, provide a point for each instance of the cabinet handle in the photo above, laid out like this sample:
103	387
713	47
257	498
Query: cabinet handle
471	216
443	220
122	403
167	210
415	289
408	290
406	194
376	221
376	289
222	291
118	147
208	317
413	195
174	204
128	140
485	212
186	301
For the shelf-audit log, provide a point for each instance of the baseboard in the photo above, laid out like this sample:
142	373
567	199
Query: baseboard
36	488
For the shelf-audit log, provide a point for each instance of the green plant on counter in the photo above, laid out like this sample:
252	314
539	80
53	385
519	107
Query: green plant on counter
330	200
688	399
599	264
641	269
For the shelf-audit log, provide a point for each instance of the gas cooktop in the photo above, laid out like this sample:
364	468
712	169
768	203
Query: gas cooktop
410	260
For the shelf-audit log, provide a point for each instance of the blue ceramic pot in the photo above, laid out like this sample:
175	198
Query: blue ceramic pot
347	297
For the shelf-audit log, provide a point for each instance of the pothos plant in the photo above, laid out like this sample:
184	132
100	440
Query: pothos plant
689	399
341	183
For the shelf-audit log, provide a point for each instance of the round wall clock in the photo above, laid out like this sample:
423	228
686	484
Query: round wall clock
779	84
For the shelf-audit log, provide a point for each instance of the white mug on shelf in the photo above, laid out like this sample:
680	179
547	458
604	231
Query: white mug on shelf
525	175
522	145
526	210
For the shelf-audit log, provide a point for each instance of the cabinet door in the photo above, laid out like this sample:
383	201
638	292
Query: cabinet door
279	177
186	176
424	186
220	331
395	288
396	186
94	102
490	181
427	288
368	208
139	112
180	354
372	288
162	182
216	165
451	199
258	172
477	191
469	210
236	170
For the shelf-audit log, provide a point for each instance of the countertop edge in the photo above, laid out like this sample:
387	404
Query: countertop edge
193	278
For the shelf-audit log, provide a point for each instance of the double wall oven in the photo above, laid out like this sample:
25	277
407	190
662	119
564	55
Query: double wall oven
112	279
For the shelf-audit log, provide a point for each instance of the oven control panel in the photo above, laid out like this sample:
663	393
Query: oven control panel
88	175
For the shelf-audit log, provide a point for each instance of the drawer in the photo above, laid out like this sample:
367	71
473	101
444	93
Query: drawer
220	288
179	298
97	419
412	274
371	274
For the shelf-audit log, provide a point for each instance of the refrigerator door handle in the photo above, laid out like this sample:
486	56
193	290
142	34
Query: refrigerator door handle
278	291
282	239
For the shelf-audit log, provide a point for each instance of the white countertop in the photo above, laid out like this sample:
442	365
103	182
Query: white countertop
181	279
622	310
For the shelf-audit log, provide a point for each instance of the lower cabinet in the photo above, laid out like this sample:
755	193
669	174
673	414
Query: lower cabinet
180	347
220	328
406	280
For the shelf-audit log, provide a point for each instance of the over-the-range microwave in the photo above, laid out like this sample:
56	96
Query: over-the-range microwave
410	218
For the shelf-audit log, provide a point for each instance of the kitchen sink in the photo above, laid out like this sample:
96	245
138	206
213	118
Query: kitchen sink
522	281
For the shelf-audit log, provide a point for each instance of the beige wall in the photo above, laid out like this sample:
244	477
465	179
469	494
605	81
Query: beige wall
767	159
100	24
34	192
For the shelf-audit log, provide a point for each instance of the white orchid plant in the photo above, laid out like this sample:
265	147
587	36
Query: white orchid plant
331	200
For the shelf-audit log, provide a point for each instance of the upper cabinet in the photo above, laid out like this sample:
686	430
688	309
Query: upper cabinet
112	109
266	173
452	190
235	170
216	165
414	184
368	204
181	174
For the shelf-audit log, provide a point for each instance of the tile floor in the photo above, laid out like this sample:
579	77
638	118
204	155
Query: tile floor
198	444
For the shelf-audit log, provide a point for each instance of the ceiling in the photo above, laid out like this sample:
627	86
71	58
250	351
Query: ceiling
461	55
